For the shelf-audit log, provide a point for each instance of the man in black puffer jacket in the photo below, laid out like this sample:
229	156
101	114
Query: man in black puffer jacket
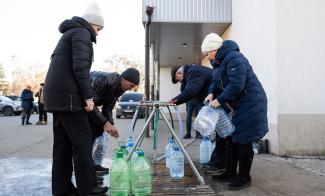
107	88
68	94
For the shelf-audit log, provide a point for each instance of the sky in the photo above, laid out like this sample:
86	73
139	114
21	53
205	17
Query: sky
29	29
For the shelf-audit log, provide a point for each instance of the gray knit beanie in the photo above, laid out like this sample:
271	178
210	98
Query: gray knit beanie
93	15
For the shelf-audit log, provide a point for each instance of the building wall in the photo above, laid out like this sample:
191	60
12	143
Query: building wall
284	42
301	81
254	29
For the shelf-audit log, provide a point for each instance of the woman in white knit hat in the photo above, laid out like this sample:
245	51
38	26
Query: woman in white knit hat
235	83
68	94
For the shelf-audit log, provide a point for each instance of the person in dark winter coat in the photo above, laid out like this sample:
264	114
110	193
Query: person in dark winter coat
42	115
195	80
68	94
235	82
107	88
27	104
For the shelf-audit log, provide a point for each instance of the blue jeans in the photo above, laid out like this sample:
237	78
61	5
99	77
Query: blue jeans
191	106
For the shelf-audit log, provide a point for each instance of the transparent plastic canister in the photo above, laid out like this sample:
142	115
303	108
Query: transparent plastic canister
224	126
213	119
206	120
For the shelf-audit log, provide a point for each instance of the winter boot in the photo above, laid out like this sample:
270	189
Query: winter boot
240	182
101	171
27	121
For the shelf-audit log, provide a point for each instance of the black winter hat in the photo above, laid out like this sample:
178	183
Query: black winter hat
131	75
173	72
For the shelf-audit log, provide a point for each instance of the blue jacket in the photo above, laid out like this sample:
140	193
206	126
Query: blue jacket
27	99
195	83
235	82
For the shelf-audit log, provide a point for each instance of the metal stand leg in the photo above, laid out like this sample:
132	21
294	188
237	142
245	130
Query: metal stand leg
200	178
171	130
141	134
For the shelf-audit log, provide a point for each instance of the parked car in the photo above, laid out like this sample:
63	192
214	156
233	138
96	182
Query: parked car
9	107
128	103
18	99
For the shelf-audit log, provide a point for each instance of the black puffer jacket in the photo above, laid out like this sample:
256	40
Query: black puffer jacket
67	84
106	89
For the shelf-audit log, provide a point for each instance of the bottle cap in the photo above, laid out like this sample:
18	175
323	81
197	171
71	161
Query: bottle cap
140	153
119	154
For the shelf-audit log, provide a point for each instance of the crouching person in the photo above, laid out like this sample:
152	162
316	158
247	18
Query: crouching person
235	82
107	88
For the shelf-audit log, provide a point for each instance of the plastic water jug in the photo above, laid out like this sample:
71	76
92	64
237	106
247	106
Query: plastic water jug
224	126
206	120
119	176
141	178
129	145
205	150
168	150
176	169
99	149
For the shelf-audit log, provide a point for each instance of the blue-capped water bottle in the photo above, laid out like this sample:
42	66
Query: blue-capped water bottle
168	150
176	168
205	150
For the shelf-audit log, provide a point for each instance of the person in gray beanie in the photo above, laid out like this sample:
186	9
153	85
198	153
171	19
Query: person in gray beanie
68	95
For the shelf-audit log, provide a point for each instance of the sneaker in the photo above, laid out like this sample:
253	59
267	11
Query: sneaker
39	123
44	122
29	123
187	136
98	191
101	171
240	182
225	176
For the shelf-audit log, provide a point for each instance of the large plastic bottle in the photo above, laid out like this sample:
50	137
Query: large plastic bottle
141	178
169	150
224	126
206	120
205	150
129	144
119	176
99	149
176	168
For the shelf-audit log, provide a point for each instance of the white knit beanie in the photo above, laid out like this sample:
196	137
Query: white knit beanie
211	42
93	15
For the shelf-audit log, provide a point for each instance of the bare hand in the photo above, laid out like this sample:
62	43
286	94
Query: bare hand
173	101
209	98
214	103
110	129
89	105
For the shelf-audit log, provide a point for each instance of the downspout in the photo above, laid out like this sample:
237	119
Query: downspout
149	11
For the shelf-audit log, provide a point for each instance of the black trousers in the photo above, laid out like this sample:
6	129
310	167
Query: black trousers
218	156
72	143
240	155
41	112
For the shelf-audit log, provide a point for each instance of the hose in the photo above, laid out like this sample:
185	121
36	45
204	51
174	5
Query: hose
171	117
180	133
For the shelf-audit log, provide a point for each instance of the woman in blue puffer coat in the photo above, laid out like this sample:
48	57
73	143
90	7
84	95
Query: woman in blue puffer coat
235	82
